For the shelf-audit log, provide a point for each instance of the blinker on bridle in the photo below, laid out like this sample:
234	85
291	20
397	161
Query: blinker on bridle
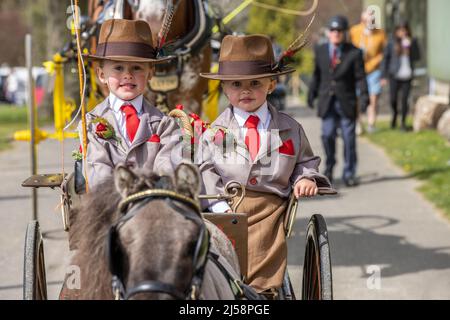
130	207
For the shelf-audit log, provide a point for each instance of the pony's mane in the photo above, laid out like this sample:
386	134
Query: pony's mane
91	223
97	212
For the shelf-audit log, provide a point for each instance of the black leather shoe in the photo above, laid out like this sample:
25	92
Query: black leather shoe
351	182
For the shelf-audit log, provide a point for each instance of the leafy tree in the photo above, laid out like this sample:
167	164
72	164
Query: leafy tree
6	5
44	19
12	36
282	27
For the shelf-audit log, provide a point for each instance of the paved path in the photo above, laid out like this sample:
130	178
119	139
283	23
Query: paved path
382	227
384	224
15	213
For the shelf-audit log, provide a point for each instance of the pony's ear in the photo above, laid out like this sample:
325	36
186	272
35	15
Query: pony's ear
124	179
187	180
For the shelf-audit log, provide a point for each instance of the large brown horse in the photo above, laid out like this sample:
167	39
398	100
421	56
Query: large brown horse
140	236
178	81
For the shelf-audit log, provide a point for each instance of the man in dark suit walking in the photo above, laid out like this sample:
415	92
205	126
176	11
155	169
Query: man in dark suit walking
339	73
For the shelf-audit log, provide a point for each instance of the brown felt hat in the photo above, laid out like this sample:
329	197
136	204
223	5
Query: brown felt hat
126	40
246	58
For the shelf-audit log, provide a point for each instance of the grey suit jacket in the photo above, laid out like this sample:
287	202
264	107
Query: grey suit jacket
272	171
103	155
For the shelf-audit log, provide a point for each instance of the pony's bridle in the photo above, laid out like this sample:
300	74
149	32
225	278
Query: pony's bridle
130	207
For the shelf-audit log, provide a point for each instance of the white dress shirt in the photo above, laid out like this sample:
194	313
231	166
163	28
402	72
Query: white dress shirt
262	113
241	117
117	103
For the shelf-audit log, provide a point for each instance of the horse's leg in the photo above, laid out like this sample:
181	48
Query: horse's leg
192	87
128	12
202	86
91	8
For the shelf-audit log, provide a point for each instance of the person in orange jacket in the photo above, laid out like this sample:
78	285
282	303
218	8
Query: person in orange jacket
372	41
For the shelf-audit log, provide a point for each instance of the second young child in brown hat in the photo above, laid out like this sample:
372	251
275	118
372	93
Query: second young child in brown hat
125	128
265	150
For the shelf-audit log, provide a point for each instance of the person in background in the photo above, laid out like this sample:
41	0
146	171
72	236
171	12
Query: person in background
400	55
338	73
372	41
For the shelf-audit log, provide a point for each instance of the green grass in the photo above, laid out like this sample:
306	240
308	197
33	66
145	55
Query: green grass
12	114
424	155
12	118
7	131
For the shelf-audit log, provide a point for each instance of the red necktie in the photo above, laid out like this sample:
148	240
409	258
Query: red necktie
252	140
132	120
334	59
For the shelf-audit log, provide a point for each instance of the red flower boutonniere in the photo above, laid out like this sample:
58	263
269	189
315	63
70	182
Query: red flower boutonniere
219	138
223	138
104	130
77	155
198	126
194	117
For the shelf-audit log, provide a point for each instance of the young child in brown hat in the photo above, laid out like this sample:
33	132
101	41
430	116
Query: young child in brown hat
125	128
265	150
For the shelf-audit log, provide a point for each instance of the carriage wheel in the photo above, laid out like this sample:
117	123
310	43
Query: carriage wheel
34	281
317	278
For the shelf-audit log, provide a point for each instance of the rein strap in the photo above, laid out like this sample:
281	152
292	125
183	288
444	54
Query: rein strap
157	193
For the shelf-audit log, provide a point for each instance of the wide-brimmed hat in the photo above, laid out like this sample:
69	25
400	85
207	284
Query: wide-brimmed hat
126	40
246	58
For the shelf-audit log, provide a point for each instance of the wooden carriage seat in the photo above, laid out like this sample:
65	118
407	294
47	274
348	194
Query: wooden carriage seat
235	226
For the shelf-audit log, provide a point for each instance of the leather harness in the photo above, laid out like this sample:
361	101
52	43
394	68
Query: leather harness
190	209
130	207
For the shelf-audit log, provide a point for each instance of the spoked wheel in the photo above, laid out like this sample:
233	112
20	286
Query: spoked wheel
317	278
34	280
287	291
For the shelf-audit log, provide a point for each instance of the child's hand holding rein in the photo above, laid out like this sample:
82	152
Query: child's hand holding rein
305	188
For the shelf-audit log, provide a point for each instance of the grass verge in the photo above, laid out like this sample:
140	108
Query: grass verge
424	155
12	119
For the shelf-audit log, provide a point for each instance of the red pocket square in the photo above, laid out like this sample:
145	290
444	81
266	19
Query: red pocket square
287	148
154	138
